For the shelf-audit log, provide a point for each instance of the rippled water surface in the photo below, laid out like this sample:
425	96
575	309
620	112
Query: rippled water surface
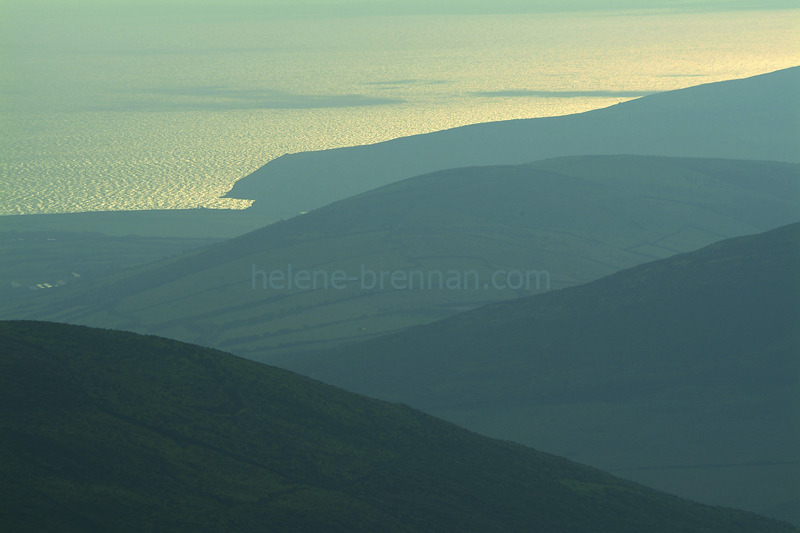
111	112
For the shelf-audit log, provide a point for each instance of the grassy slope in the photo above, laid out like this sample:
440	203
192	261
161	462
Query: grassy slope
110	431
54	257
681	373
576	218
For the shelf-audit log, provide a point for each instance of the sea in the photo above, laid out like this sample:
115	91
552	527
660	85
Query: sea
106	110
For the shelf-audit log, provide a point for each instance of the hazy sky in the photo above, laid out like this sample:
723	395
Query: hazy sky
372	7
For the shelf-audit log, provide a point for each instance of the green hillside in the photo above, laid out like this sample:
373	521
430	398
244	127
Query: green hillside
682	374
567	221
110	431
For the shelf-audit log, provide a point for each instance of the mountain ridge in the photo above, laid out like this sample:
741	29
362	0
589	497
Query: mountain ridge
756	119
752	118
693	358
107	430
573	219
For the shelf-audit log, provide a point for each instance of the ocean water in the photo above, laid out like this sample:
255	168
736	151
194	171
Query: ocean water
102	111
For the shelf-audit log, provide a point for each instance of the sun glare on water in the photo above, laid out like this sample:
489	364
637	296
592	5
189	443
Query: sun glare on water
112	114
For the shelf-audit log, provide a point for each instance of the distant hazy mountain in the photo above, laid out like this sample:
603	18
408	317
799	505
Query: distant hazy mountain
682	374
108	431
500	232
754	118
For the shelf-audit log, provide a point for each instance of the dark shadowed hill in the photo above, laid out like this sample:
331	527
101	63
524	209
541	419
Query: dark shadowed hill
682	374
753	118
428	247
109	431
